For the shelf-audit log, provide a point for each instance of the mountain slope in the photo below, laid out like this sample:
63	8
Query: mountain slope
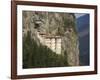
83	31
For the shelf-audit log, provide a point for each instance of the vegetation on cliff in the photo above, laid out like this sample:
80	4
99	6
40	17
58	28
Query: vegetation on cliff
40	56
55	24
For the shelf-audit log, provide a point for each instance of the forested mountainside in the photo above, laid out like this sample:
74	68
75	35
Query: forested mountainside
53	24
84	35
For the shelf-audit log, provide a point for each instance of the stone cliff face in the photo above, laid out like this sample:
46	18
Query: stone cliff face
54	24
70	46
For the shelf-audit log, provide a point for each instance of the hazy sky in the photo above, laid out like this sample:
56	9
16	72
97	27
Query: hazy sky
79	14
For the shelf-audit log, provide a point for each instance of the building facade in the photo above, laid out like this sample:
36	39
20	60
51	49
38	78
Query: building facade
52	42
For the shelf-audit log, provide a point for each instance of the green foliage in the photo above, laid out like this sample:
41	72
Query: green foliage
40	56
68	23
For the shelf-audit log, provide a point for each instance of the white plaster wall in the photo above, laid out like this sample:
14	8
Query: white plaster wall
5	40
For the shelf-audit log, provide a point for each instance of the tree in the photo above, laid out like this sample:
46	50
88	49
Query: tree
40	56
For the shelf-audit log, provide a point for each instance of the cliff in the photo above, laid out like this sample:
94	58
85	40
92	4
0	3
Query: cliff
54	24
